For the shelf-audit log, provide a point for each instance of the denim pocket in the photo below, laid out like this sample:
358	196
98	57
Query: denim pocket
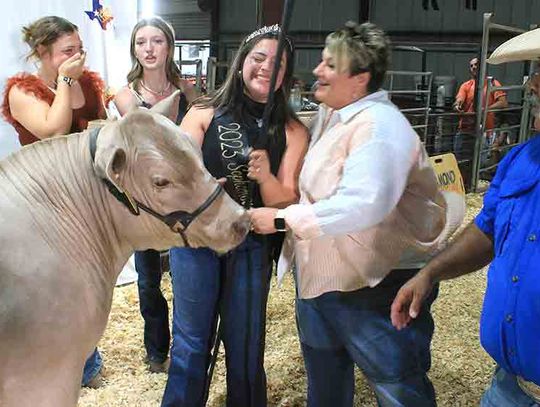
387	355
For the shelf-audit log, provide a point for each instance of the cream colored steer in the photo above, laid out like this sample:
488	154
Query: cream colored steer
64	238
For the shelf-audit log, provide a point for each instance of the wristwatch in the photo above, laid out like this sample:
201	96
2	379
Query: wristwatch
66	79
279	221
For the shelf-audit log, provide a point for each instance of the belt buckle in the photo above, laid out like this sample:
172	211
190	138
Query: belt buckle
529	388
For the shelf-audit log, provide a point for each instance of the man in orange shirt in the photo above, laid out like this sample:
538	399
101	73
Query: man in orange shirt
464	103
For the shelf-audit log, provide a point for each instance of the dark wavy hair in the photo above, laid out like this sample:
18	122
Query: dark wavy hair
171	69
361	48
45	31
231	94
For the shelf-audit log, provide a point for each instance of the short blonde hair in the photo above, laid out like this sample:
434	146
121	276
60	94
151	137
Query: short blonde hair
358	48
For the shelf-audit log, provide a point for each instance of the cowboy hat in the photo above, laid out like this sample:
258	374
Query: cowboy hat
523	47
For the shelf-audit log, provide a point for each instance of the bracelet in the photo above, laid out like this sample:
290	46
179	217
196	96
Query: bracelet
69	81
279	221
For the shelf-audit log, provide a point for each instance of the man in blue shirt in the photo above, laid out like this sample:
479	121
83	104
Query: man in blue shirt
506	233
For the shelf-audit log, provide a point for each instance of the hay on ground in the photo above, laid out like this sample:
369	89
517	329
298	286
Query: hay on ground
461	370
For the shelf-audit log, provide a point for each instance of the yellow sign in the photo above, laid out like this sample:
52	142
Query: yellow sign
448	174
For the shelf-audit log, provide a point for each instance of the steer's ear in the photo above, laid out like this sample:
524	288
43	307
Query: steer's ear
165	106
110	164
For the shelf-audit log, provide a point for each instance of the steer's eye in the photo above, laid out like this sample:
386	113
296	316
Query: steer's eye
160	182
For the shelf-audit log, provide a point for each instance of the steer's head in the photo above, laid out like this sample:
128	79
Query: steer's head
147	156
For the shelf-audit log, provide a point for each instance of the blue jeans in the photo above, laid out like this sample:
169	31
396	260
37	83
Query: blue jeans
464	144
234	286
504	391
153	305
340	329
92	367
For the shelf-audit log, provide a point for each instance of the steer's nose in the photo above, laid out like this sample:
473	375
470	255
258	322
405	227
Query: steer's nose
241	226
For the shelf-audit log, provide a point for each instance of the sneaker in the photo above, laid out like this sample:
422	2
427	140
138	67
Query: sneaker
487	175
158	367
164	262
95	382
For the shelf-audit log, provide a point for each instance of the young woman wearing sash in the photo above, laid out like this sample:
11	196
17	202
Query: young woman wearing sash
153	77
235	285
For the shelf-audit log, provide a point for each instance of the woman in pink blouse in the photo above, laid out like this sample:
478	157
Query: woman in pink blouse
369	211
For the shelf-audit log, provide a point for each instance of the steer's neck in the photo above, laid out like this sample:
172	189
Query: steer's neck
69	205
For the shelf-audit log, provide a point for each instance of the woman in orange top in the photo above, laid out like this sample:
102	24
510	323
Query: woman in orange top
62	96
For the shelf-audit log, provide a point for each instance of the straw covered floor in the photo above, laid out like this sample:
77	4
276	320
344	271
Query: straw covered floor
460	371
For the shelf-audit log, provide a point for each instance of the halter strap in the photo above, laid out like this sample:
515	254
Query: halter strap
177	221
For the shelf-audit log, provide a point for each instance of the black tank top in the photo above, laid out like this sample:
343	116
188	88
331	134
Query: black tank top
225	149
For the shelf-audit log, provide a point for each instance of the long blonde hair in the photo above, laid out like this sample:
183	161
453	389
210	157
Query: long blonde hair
171	69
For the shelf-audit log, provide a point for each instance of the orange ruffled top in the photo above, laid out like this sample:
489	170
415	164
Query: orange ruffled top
91	84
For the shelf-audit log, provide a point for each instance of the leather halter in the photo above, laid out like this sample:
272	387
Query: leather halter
177	221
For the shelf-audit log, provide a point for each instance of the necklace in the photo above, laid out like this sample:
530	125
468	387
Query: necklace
49	84
154	92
